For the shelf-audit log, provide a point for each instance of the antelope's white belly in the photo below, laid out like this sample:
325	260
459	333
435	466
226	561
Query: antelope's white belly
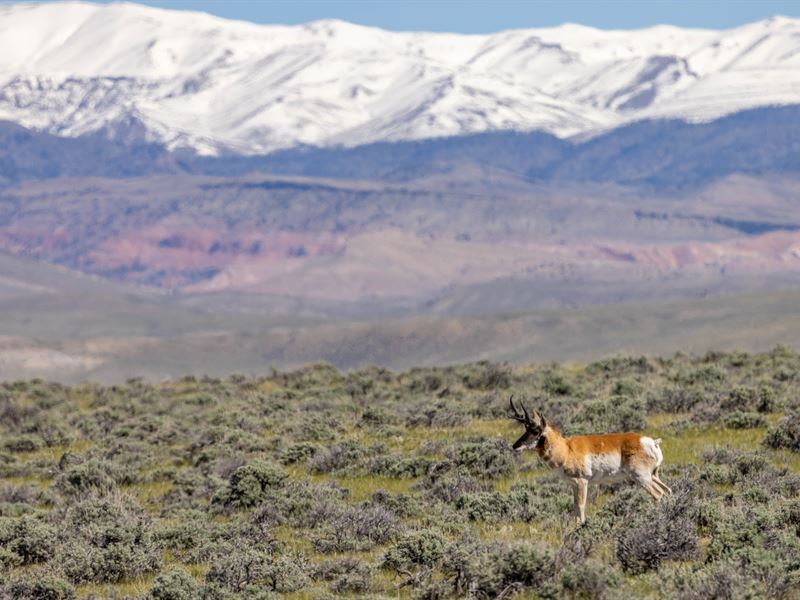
602	468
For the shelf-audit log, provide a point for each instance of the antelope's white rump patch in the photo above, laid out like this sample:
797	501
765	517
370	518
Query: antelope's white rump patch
652	448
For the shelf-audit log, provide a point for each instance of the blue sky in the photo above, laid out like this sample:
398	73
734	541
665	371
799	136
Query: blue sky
474	16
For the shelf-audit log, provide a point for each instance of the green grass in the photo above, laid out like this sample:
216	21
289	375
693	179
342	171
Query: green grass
136	587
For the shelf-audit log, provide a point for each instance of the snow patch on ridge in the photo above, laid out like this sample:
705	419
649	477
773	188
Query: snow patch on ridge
211	84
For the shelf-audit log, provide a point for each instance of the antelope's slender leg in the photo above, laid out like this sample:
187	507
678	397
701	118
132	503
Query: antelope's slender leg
662	485
652	489
576	509
645	479
581	486
658	481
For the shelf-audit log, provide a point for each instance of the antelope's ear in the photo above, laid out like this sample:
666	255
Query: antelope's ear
538	419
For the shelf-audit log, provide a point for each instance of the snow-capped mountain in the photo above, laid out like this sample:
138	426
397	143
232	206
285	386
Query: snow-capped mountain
198	81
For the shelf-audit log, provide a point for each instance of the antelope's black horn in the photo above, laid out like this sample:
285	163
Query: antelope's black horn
517	415
527	416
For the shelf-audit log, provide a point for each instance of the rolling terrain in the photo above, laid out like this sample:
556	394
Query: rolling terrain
177	271
69	327
359	240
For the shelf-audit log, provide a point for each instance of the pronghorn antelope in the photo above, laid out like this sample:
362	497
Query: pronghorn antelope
585	459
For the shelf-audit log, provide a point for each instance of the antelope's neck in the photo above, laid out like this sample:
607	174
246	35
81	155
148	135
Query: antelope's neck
552	448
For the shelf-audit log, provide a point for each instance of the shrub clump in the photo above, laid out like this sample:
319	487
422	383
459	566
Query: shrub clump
9	559
299	452
176	584
416	548
665	532
589	579
747	398
347	575
786	434
241	570
90	476
489	459
38	586
398	467
358	529
249	484
110	540
487	376
744	420
617	414
484	506
723	579
502	568
337	458
451	486
28	539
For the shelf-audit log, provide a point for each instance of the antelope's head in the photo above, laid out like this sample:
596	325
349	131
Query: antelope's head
533	427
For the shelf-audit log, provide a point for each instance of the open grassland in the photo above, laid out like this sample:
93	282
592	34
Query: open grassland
314	484
108	338
62	326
